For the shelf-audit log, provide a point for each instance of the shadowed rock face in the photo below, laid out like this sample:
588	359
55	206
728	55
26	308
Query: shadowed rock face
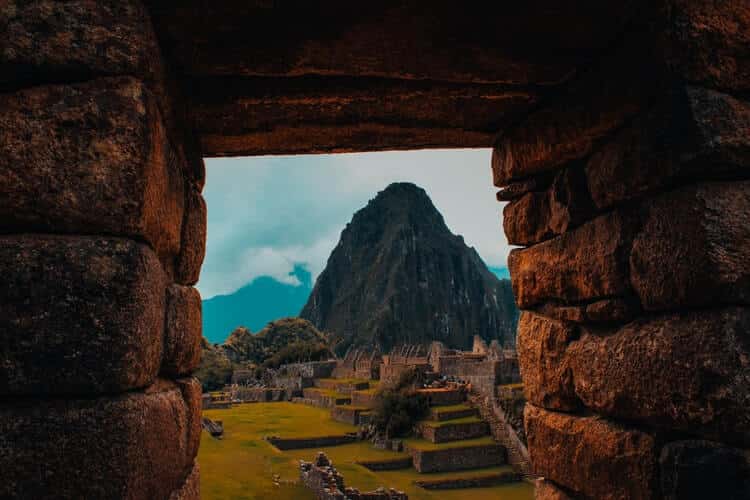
399	275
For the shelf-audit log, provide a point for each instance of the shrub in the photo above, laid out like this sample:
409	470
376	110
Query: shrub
399	406
215	369
298	352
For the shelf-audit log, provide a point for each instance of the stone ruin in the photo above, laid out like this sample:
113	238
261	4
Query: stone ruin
327	483
620	143
214	427
360	363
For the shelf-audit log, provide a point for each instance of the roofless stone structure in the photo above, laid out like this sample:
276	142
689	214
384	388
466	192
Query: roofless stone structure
620	134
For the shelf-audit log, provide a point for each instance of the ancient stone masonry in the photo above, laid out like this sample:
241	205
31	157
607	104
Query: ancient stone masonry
630	194
328	484
621	142
103	230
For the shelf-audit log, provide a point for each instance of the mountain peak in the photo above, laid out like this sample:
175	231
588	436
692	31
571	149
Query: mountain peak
398	275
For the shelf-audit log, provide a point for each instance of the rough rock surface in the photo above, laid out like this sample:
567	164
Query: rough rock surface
587	263
191	488
696	470
694	249
538	216
693	133
546	372
398	275
89	158
131	446
710	42
193	248
590	455
594	105
76	40
79	315
546	490
182	338
687	371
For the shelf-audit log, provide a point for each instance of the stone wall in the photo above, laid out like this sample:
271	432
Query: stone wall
446	432
259	394
312	442
309	370
452	459
103	235
624	156
363	398
629	194
444	395
349	415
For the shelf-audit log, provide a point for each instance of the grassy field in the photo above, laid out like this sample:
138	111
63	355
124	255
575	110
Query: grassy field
243	465
443	423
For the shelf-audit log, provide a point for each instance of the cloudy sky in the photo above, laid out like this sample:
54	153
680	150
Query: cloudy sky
267	213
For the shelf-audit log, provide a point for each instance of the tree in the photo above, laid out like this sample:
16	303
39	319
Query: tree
399	406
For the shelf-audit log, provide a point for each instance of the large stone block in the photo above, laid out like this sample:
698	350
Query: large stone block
79	315
686	371
591	456
709	42
89	158
47	40
545	370
585	264
193	239
694	249
191	391
131	446
538	216
182	338
692	133
589	109
191	488
547	490
696	470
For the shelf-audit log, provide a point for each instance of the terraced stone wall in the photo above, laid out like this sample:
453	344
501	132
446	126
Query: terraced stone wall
630	194
102	234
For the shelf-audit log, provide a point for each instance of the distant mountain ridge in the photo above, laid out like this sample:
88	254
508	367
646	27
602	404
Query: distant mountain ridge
398	275
501	272
255	304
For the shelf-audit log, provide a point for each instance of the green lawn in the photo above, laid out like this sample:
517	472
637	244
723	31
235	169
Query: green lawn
344	381
423	444
442	423
444	409
242	465
330	393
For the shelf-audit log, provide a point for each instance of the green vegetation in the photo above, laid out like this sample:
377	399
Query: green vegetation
450	408
423	444
288	340
442	423
347	381
285	340
215	369
399	406
242	465
329	392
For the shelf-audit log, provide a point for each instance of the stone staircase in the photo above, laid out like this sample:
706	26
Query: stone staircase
502	432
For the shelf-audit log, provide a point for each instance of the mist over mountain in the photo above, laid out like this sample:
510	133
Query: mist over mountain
255	304
398	275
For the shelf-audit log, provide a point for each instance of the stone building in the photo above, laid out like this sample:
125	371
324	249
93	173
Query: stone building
359	363
620	142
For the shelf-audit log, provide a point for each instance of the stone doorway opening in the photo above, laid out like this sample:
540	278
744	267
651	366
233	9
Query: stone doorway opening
636	293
